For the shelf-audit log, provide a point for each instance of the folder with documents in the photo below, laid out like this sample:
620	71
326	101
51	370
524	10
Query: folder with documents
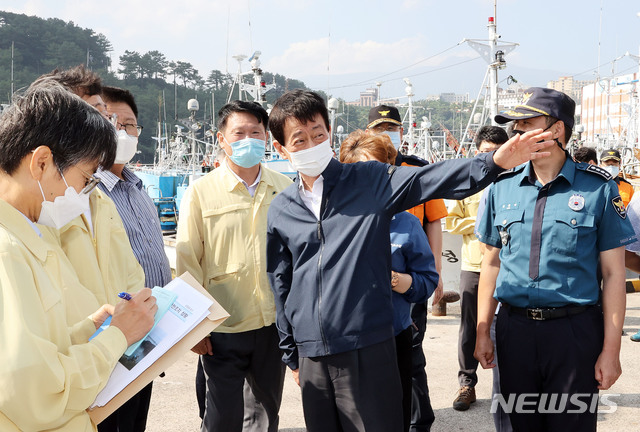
192	315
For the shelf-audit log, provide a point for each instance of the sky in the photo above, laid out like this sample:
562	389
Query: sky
344	47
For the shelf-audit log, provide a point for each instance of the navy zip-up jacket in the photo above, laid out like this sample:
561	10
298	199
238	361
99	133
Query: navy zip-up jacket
331	278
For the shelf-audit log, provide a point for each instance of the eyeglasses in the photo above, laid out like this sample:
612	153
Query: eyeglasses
91	181
131	129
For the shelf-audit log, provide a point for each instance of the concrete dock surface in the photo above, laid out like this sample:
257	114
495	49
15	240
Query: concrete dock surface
174	406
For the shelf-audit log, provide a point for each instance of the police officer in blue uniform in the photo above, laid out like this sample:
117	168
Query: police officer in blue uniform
547	226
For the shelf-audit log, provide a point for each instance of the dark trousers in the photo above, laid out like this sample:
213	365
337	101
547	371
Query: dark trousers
500	418
254	412
551	357
353	391
467	334
201	388
255	356
403	353
130	417
422	416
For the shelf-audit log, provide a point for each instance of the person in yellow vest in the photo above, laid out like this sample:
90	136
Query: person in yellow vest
610	161
51	143
461	220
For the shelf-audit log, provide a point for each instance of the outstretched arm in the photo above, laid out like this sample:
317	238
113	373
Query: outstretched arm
458	178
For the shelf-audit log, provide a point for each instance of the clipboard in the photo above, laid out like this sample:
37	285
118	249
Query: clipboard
216	316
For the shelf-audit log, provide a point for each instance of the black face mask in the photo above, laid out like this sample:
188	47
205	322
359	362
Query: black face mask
520	132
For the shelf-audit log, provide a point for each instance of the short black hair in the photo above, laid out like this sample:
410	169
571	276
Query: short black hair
50	115
78	79
585	154
116	94
303	105
492	134
568	131
237	106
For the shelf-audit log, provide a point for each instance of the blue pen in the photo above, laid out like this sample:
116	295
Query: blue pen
124	295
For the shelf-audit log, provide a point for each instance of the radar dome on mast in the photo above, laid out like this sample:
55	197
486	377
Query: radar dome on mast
255	60
193	105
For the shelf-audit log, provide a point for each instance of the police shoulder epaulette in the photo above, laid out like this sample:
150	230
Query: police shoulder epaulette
594	169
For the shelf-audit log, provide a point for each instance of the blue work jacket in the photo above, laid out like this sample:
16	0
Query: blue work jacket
331	277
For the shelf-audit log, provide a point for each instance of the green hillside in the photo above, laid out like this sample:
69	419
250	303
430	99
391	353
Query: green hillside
161	87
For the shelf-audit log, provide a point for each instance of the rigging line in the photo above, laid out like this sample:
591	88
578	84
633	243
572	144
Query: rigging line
593	68
440	68
401	69
410	76
626	70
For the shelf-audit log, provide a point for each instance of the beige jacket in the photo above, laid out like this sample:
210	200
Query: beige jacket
221	241
49	373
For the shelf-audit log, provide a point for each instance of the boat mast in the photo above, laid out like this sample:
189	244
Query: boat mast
410	137
493	67
493	52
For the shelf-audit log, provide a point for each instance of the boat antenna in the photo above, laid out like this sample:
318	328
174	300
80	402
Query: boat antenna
599	40
329	56
249	13
493	53
226	57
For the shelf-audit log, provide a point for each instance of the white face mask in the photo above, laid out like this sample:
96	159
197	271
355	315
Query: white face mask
312	161
395	138
127	147
64	208
612	169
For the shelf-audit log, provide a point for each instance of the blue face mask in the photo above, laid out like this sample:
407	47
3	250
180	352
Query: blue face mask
247	152
395	138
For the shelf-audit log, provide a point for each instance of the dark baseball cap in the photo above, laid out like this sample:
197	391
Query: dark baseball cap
538	101
610	155
382	114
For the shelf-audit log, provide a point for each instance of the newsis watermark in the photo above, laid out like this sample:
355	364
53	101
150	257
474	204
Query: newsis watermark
553	403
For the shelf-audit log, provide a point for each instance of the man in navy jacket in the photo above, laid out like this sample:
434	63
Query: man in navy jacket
329	264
